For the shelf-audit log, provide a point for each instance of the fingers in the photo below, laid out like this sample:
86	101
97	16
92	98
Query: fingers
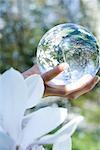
49	75
72	92
86	80
78	85
31	71
86	89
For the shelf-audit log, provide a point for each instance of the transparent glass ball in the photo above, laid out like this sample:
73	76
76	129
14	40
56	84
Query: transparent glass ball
72	44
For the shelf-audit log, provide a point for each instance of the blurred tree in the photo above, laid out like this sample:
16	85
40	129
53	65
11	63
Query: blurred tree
22	24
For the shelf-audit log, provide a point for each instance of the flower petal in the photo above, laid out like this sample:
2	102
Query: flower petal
64	145
6	143
13	98
36	90
42	122
67	130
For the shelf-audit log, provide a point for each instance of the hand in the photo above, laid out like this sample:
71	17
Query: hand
70	91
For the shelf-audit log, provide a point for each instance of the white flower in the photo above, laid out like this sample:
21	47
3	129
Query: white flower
61	140
16	95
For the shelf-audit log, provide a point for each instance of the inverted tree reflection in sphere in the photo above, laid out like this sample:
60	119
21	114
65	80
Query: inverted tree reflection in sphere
69	43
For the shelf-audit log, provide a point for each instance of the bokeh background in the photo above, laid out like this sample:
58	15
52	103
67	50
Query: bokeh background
23	23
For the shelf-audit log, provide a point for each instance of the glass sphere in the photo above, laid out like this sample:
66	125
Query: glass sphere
72	44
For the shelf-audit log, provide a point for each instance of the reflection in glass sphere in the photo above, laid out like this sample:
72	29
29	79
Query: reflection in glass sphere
69	43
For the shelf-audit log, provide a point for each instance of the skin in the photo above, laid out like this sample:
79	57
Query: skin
70	91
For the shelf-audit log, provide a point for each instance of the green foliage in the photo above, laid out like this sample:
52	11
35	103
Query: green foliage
84	140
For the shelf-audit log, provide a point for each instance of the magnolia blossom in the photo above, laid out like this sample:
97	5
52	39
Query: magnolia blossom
21	131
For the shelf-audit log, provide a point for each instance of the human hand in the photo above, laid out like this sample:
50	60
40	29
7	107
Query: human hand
70	91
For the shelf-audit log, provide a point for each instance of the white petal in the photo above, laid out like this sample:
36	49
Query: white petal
13	98
42	122
67	130
36	90
26	119
64	145
1	130
6	143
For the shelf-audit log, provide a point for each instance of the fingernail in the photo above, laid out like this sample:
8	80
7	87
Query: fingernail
97	78
64	66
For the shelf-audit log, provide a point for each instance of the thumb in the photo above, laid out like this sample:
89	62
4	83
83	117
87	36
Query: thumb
49	75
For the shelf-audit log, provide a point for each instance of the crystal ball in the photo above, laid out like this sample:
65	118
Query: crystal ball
72	44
